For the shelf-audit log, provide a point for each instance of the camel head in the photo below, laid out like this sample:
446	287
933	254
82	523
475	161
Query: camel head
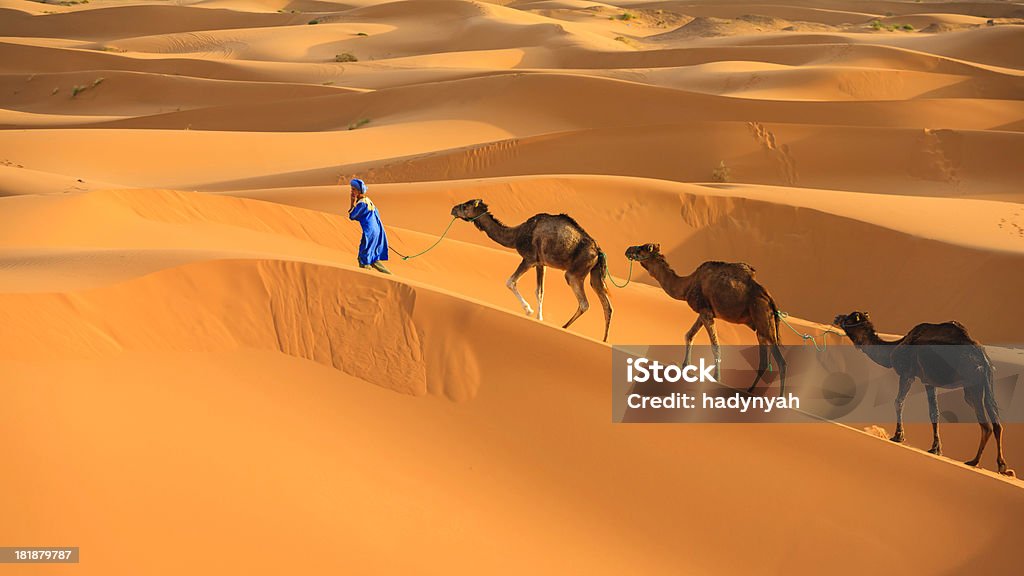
643	252
855	324
470	210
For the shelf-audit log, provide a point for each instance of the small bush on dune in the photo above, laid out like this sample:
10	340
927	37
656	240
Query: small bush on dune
720	174
361	34
907	27
78	89
626	16
346	57
314	22
359	123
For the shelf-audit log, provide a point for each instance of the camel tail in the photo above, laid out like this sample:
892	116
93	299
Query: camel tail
600	269
775	314
597	276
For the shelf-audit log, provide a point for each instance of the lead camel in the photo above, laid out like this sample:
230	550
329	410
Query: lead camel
547	240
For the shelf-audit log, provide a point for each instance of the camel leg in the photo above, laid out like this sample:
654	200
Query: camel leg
597	283
997	427
975	397
901	397
762	362
523	267
689	338
709	324
576	283
781	361
540	292
933	413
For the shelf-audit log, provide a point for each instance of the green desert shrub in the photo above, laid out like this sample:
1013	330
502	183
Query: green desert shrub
721	173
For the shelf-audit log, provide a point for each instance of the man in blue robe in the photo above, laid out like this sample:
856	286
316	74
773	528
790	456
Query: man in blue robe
374	246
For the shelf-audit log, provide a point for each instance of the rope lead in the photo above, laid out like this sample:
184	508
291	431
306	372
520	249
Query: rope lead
824	341
432	246
608	274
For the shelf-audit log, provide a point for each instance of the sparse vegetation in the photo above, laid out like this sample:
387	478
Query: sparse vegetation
721	173
359	123
314	21
626	16
78	89
346	57
878	25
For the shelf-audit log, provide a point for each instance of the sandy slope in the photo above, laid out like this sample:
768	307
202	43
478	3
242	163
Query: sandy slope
192	360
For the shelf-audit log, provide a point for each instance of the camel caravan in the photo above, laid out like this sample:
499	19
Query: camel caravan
728	291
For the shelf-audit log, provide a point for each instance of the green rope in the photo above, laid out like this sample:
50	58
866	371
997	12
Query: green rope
609	274
824	341
432	246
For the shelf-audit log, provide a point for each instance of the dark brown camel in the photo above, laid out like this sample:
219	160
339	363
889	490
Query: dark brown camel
725	290
923	354
547	240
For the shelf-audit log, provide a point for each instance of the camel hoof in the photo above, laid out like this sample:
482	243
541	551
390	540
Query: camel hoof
936	451
1005	472
971	463
897	439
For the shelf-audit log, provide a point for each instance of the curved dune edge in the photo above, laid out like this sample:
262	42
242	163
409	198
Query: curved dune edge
391	334
693	223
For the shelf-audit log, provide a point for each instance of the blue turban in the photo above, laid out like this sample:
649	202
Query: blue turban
358	185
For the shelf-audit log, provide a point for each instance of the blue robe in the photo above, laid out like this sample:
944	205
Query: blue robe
374	245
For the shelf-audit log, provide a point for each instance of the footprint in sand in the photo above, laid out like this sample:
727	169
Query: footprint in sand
778	153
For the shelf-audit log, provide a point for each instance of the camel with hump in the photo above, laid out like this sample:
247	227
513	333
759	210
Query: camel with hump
940	355
547	240
725	290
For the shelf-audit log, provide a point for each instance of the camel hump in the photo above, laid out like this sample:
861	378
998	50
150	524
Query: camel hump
951	332
729	268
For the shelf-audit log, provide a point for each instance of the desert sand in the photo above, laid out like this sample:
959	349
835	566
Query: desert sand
197	377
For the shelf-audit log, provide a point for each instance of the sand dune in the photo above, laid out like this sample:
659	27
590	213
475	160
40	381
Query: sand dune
192	359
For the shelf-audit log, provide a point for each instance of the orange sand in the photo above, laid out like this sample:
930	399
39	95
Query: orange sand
196	377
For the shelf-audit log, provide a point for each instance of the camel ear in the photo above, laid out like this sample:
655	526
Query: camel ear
476	203
657	248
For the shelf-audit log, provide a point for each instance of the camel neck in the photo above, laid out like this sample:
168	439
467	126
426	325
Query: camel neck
673	284
880	351
495	230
